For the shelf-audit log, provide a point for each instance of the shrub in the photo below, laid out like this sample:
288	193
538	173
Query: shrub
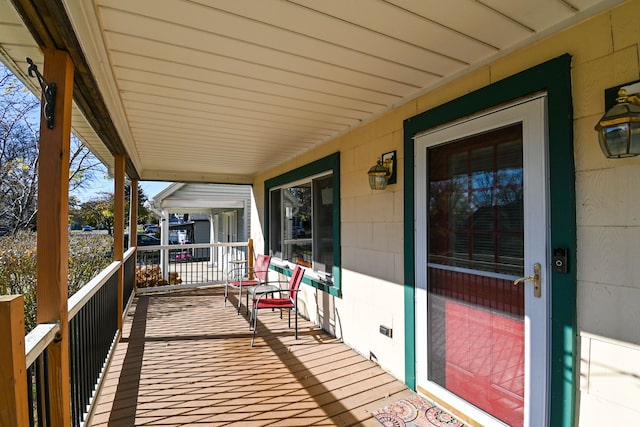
88	255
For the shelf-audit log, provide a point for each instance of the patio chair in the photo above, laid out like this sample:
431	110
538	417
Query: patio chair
239	278
267	300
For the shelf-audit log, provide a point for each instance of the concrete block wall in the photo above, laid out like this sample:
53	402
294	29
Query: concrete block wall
605	52
608	218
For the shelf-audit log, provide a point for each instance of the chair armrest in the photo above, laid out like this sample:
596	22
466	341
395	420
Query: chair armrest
240	277
271	283
237	272
256	290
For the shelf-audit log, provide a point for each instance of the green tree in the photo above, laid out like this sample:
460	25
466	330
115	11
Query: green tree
98	212
144	215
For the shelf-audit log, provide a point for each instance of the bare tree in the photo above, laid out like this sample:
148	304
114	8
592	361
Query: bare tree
18	156
19	143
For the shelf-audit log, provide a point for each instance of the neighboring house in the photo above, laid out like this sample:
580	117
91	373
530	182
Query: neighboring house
203	213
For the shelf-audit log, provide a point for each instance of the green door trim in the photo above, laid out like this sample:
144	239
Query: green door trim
554	78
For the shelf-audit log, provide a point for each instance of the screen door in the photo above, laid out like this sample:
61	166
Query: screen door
481	247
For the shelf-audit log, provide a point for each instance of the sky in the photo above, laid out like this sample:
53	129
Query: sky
150	188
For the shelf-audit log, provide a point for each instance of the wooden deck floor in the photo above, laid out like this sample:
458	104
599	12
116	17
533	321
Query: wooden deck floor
186	360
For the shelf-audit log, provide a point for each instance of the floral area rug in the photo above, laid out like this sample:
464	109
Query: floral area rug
415	411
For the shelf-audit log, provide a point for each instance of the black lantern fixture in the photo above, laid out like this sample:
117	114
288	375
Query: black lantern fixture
383	172
619	128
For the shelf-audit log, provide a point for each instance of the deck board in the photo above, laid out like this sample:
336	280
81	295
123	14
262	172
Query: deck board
185	359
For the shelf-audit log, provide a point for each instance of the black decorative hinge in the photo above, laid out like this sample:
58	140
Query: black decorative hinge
48	93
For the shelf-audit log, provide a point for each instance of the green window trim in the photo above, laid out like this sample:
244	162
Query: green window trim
554	78
330	163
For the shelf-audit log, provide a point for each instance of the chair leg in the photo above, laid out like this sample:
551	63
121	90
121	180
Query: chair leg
226	292
255	325
239	299
247	302
253	314
296	321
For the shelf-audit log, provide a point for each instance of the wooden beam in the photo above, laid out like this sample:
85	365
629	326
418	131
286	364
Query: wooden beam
118	228
53	234
13	371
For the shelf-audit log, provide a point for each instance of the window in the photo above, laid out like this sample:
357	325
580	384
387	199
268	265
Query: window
303	217
475	203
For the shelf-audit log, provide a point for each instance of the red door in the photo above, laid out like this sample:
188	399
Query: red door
475	248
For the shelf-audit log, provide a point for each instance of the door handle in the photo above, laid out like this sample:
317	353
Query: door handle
535	278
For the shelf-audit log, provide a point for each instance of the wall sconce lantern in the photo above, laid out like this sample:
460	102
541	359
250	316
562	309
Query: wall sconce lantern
383	172
619	128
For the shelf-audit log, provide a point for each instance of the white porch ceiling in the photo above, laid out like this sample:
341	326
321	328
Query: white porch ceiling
218	91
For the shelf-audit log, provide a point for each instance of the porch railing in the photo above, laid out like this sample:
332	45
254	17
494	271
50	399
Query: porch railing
93	329
93	325
93	332
186	265
36	354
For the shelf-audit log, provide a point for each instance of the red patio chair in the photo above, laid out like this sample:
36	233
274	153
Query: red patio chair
238	280
289	301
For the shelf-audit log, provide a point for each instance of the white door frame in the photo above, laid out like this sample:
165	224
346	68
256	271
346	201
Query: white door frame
532	113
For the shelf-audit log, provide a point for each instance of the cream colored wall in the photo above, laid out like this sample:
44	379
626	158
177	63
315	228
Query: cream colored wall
608	219
605	51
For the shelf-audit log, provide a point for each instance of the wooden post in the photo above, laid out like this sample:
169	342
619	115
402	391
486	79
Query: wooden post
53	231
118	228
250	260
14	410
133	220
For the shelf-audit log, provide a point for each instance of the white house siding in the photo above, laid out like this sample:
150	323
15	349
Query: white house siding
209	199
605	52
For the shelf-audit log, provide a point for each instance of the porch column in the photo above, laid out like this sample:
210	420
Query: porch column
13	370
133	213
118	228
53	234
212	262
245	221
164	235
133	222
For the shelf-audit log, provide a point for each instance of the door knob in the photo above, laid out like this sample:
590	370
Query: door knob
535	278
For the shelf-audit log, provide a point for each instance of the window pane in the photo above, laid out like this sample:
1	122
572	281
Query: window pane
323	224
297	224
475	202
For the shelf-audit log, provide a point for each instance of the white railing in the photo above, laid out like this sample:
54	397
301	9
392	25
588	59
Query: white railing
37	341
165	267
